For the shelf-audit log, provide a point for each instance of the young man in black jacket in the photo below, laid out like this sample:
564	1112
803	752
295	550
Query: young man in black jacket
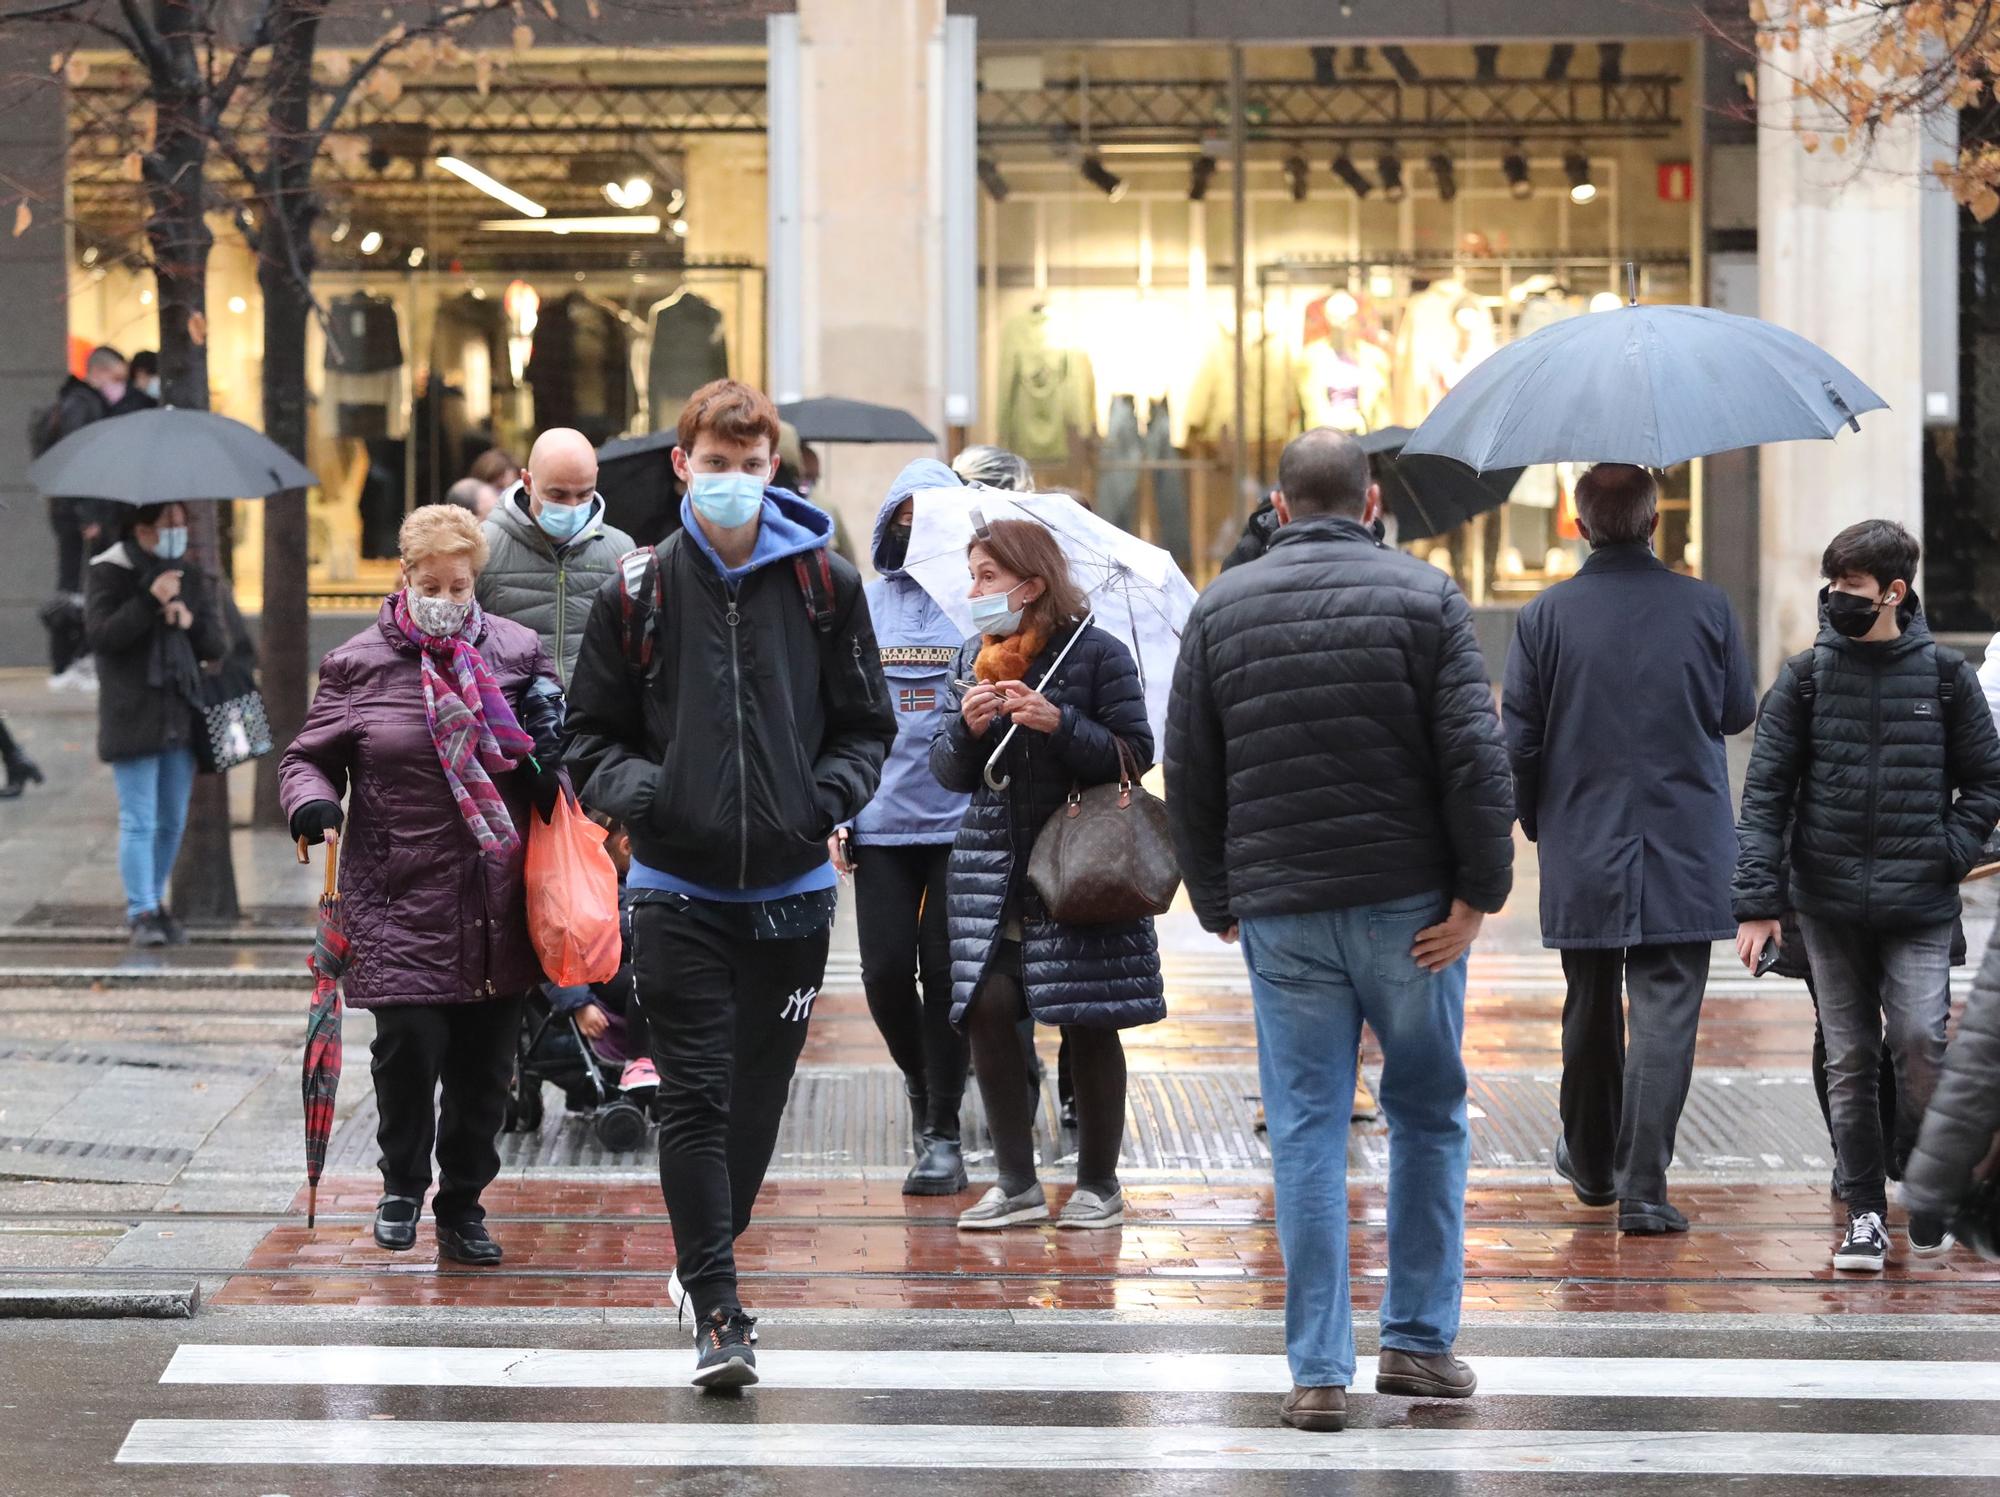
1877	749
728	708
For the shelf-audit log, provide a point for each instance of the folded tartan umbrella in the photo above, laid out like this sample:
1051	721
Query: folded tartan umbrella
320	1077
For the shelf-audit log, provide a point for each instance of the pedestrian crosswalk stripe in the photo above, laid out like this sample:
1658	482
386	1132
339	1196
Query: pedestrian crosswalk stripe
1693	1378
1173	1447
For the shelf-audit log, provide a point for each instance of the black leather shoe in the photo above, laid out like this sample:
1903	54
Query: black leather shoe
1584	1193
940	1169
468	1243
1649	1218
396	1223
920	1106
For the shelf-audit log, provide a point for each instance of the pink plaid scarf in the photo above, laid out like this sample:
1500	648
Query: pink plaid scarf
475	731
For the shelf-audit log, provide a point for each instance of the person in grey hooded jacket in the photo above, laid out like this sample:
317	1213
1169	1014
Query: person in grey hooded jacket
550	549
900	844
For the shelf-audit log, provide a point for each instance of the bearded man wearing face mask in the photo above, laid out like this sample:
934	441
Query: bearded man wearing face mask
1877	761
550	548
728	709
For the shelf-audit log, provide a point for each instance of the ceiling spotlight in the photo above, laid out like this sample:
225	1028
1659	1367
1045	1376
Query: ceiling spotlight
633	192
676	200
1485	62
1324	70
416	256
1199	176
1399	62
1345	169
1298	176
1357	61
1559	55
466	172
1389	167
1444	175
1610	62
1100	176
680	228
990	178
239	305
89	255
1576	166
145	298
371	242
338	233
1515	167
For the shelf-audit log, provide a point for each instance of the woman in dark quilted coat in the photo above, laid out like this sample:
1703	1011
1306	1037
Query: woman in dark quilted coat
434	721
1007	956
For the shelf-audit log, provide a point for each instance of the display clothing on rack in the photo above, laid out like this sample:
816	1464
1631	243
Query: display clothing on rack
1047	392
1343	364
1128	463
1170	487
469	353
366	394
690	348
1271	409
580	369
1443	332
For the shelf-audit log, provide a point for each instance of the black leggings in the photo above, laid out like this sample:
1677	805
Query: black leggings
899	905
1097	1063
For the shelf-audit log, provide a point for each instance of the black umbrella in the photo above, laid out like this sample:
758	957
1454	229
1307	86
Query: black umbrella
828	418
167	456
641	495
1430	495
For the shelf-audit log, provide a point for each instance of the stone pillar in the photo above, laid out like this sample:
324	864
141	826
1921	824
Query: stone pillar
34	355
1839	262
870	306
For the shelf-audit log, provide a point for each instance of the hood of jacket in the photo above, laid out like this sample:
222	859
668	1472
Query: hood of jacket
1909	617
790	527
923	473
514	515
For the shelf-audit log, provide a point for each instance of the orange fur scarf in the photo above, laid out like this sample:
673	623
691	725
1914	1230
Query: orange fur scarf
1008	659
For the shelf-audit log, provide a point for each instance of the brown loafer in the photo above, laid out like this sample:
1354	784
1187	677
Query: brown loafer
1423	1375
1321	1410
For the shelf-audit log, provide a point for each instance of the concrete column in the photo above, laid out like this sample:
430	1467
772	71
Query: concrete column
34	355
1839	262
870	308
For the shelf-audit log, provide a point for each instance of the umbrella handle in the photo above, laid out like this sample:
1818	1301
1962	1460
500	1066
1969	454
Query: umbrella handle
332	861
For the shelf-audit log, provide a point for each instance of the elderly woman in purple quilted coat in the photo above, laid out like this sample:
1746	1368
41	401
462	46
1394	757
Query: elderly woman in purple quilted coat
435	723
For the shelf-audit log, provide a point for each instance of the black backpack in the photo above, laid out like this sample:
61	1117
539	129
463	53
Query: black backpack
1948	662
641	592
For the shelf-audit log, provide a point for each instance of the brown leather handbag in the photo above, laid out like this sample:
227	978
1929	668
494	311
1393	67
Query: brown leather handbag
1105	856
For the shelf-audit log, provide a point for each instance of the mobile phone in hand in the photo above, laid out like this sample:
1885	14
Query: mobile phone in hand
1766	959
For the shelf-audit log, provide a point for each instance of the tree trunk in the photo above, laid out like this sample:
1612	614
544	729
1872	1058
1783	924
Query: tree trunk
285	265
204	881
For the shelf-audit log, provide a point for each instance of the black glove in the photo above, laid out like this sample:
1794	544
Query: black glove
315	819
545	787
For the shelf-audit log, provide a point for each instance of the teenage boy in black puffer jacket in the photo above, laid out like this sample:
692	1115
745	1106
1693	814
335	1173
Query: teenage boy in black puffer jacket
1878	748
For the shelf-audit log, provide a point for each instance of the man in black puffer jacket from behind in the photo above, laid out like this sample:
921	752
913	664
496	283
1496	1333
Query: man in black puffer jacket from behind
1878	750
1340	797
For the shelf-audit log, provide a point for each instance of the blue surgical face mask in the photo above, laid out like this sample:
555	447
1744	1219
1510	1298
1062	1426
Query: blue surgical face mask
991	615
563	522
730	500
170	542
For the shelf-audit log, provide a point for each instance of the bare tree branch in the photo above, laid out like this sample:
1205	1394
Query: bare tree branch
438	24
147	43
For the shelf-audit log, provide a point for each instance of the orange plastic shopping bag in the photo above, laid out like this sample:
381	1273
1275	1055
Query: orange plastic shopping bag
572	897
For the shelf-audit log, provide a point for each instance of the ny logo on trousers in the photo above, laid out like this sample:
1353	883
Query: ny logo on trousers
798	1006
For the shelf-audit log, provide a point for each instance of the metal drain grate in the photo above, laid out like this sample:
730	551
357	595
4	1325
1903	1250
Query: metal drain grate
844	1119
71	1055
79	1149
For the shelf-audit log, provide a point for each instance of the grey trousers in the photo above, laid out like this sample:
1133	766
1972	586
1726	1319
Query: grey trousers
1866	979
1619	1110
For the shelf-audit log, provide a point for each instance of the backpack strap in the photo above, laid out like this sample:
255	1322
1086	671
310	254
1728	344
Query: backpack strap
815	574
639	597
1948	662
1801	667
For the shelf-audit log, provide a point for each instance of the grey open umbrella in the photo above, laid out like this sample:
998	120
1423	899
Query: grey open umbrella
829	418
1648	385
1430	495
167	456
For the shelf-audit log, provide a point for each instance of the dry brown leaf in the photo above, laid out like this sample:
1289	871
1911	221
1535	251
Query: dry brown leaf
55	62
133	167
386	85
596	10
24	217
77	71
524	37
197	329
347	151
482	74
1983	203
549	9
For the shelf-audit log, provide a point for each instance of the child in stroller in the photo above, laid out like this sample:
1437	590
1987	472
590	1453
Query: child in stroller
591	1041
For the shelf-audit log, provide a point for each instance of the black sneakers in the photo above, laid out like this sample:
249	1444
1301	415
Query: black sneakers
724	1357
1865	1245
1929	1236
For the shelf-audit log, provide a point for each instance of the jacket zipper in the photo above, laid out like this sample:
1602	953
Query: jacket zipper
861	673
562	591
1874	790
734	618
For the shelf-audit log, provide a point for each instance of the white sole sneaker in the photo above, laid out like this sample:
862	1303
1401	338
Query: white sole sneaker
1858	1262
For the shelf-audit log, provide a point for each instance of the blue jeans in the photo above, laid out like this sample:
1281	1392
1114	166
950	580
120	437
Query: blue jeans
1315	978
152	813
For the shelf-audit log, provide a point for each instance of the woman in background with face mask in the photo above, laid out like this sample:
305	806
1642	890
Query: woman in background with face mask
1007	955
439	724
152	620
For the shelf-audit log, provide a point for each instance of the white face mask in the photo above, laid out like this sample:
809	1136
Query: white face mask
438	617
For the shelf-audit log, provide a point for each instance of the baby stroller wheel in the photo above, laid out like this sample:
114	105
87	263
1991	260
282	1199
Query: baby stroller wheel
621	1127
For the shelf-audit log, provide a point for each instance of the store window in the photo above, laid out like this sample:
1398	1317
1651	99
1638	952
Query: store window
575	242
1406	211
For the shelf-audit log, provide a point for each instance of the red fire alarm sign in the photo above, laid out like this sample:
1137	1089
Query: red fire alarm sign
1676	181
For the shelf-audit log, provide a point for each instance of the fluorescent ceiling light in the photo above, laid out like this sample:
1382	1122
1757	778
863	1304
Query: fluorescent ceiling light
633	192
465	171
632	223
371	242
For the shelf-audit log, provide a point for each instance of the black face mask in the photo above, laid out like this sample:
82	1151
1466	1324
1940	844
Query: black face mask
895	546
1850	614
